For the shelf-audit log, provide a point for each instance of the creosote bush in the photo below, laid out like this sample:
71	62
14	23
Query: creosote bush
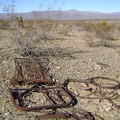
65	28
4	24
30	40
103	31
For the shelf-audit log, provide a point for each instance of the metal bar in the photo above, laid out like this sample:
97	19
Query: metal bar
60	105
28	70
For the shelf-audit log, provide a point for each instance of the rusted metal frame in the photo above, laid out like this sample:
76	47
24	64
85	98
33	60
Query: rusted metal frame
43	87
47	98
58	87
41	107
55	92
23	69
36	63
51	98
38	66
41	71
20	71
18	66
46	94
59	96
16	81
33	80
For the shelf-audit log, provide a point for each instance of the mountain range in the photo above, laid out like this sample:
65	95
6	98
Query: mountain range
66	15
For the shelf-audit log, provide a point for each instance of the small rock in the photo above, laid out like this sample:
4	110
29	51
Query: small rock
108	109
6	114
58	67
3	109
98	101
0	96
110	92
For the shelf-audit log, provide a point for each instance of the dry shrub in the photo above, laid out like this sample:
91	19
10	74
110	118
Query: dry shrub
85	25
99	42
101	29
4	24
25	42
102	32
29	41
65	28
44	28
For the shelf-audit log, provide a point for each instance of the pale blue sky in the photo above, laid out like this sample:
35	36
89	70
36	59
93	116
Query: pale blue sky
107	6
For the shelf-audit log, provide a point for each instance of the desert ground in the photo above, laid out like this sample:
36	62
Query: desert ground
75	49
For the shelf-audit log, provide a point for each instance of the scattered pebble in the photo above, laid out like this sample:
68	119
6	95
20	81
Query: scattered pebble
0	96
108	109
6	114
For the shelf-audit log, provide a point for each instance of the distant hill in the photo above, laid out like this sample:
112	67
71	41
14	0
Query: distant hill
66	15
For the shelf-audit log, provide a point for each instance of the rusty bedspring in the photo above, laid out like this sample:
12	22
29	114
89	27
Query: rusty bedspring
50	97
29	70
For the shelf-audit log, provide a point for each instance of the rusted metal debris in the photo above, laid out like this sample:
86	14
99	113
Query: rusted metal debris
98	89
29	70
53	95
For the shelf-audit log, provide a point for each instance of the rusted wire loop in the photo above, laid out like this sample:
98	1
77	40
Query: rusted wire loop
98	93
87	87
111	101
93	81
84	87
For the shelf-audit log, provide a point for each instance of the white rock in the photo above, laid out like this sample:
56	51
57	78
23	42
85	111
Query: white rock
108	109
58	67
0	96
6	114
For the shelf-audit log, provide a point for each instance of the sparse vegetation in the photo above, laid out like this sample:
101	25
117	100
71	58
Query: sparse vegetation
4	24
65	28
102	32
76	49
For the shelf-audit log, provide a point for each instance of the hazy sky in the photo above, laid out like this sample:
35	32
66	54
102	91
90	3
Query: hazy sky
107	6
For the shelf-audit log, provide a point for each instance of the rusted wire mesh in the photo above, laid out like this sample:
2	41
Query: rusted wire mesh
30	70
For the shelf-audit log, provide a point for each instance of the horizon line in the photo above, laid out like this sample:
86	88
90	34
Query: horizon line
63	10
